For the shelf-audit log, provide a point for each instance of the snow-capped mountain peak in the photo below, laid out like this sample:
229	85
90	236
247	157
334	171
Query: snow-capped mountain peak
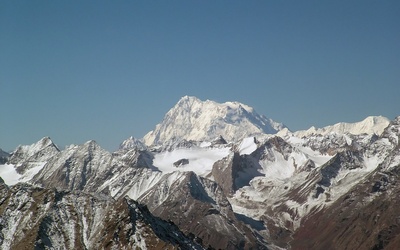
41	149
193	119
132	143
370	125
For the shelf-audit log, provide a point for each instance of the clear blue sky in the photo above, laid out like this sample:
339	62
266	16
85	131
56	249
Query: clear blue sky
106	70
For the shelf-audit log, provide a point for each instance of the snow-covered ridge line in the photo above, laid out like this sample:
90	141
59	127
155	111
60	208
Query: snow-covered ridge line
370	125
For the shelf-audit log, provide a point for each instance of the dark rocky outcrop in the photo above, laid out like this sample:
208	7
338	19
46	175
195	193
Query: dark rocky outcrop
181	162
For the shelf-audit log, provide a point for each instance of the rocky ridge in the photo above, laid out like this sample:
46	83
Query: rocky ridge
37	218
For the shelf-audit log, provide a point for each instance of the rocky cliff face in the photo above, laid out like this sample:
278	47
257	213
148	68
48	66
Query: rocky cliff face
37	218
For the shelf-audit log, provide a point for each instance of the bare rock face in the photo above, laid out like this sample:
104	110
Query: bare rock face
219	141
37	218
181	162
234	172
223	173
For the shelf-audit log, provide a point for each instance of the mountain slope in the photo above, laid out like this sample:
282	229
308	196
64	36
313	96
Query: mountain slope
37	152
198	206
27	160
37	218
90	168
365	217
193	119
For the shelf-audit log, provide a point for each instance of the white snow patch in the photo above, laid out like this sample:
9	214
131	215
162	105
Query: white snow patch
201	160
9	174
205	144
318	158
279	169
11	177
247	146
372	162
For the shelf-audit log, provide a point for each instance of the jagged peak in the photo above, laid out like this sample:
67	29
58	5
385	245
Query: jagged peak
46	139
193	119
38	151
37	146
91	142
188	98
92	145
395	121
132	143
392	131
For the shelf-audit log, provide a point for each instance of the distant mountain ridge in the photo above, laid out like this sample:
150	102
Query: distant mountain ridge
193	119
370	125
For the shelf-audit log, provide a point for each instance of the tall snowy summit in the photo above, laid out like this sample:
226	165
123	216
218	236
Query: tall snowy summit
193	119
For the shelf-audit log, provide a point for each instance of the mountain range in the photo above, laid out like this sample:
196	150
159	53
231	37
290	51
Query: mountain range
209	176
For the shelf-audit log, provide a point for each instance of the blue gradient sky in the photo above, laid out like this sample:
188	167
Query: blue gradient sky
106	70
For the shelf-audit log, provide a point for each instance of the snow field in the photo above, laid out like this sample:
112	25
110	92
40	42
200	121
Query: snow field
201	160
